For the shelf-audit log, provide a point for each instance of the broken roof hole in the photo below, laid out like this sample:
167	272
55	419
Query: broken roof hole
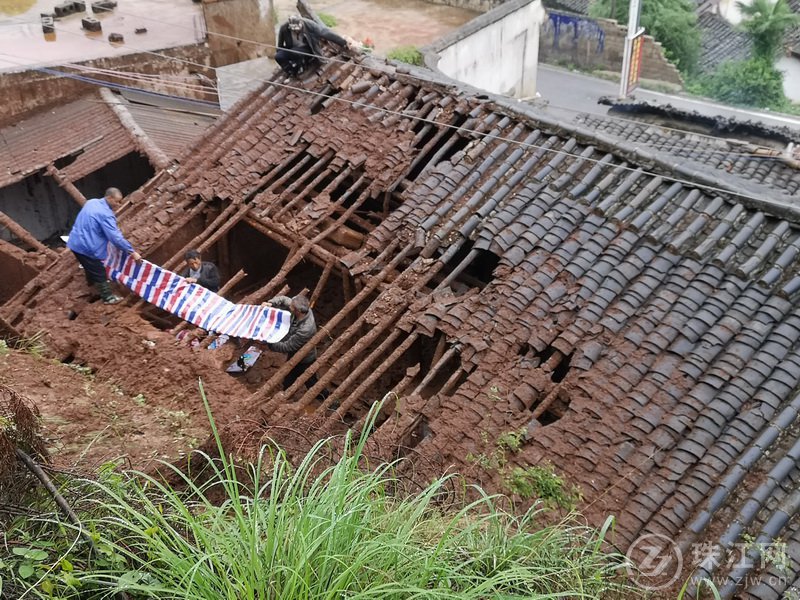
350	188
482	267
412	438
468	269
562	368
546	354
323	99
447	144
548	417
67	160
441	370
127	173
246	248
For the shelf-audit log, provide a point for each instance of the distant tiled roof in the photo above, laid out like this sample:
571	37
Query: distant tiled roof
576	6
751	162
793	37
720	41
86	130
636	315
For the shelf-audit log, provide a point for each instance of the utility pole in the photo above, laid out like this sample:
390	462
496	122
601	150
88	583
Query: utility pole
632	56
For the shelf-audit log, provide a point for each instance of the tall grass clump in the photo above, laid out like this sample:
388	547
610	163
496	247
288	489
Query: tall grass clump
322	530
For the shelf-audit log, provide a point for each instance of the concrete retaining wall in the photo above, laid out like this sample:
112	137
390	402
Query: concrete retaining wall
497	52
598	44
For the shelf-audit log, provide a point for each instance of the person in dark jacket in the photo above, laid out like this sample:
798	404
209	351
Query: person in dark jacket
201	272
299	44
302	329
95	227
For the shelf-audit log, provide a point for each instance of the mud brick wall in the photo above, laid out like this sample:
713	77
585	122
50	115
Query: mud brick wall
28	90
598	44
243	20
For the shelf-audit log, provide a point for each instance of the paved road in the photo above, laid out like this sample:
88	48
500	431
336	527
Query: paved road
569	93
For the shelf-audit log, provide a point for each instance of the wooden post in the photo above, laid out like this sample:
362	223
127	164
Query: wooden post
66	184
24	235
326	273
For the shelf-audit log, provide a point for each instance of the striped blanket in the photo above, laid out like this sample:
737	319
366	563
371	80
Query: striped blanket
194	303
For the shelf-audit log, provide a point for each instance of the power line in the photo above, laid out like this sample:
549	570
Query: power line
137	77
104	83
460	129
334	59
704	152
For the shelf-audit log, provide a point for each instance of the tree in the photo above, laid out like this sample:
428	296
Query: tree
671	22
766	21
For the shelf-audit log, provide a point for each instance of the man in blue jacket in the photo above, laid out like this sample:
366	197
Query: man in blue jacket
94	228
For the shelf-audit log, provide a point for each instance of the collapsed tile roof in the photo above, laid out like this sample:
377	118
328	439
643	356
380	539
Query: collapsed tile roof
172	124
71	141
638	317
84	135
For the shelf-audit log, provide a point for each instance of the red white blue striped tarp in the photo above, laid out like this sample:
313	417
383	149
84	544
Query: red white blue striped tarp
194	303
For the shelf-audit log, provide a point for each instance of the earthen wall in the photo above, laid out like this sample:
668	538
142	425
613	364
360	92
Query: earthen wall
35	89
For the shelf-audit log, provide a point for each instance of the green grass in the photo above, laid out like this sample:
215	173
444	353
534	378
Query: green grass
315	530
33	345
542	482
406	54
328	20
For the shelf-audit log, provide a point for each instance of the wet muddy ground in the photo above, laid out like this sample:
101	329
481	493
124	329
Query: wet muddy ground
88	420
387	23
23	44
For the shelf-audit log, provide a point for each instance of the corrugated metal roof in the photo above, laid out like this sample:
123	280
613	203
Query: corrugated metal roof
171	130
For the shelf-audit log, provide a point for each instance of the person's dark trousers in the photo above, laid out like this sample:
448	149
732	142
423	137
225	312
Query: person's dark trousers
95	273
93	268
294	62
299	370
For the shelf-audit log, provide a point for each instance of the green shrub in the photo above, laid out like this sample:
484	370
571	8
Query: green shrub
755	82
328	20
406	54
542	482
